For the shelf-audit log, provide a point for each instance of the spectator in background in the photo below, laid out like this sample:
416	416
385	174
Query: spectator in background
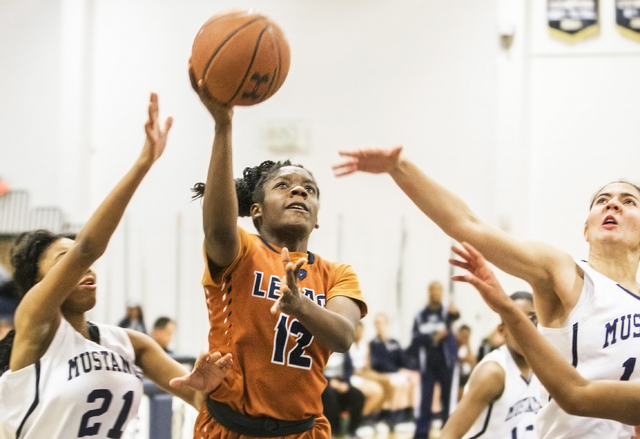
376	387
9	300
466	359
163	330
434	345
134	318
489	343
387	357
340	396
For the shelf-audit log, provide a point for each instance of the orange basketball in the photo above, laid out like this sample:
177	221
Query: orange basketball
242	56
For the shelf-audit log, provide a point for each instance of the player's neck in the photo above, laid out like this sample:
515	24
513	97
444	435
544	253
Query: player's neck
295	244
523	366
79	323
621	267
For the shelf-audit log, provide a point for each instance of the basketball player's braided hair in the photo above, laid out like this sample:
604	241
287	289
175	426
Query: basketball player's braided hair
250	188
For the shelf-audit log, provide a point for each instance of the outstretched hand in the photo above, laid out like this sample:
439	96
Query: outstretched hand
371	160
221	113
290	296
156	136
480	276
207	374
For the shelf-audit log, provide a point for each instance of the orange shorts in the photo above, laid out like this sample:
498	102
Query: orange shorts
208	428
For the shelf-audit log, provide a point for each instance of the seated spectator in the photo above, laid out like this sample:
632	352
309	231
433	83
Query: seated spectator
466	359
375	386
163	330
340	396
134	318
387	357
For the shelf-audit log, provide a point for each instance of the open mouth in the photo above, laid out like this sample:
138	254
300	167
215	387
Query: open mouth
609	219
298	206
88	281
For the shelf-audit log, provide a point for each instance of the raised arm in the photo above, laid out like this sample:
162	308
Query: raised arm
220	204
39	313
616	400
551	272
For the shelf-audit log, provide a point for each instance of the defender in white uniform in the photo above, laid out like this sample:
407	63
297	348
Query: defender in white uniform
601	339
513	415
78	388
612	230
501	399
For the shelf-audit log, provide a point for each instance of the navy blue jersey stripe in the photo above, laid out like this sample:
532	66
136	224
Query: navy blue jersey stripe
268	245
629	292
36	400
574	345
486	423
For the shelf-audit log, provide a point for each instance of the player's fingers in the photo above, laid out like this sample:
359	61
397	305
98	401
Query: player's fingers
459	278
475	254
462	252
299	264
168	124
213	357
148	128
276	306
153	106
178	382
225	362
461	264
192	79
344	172
285	255
348	153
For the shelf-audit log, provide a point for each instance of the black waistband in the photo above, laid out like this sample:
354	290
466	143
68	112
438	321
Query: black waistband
258	427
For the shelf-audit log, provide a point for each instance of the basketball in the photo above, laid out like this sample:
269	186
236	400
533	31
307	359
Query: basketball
242	56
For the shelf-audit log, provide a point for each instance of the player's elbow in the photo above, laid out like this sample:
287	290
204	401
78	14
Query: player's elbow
343	342
571	403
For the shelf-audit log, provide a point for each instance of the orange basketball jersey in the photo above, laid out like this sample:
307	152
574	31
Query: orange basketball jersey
277	365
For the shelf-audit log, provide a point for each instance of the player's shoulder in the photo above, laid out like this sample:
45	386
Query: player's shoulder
497	356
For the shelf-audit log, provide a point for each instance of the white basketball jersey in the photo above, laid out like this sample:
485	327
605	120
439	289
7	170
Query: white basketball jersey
513	415
601	339
77	389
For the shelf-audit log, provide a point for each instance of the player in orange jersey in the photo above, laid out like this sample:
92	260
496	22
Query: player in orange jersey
277	307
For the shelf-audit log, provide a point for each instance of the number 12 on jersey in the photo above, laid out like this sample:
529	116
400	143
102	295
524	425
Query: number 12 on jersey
296	356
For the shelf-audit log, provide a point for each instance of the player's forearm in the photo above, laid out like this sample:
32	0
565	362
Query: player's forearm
331	329
561	380
442	206
220	204
95	235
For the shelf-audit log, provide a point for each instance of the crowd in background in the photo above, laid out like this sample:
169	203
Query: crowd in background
380	386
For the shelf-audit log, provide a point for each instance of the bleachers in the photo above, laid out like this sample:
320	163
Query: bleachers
17	215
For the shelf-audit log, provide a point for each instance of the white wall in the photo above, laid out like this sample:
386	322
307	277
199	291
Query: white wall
513	131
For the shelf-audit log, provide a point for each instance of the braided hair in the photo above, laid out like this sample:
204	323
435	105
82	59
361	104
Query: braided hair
250	188
26	253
